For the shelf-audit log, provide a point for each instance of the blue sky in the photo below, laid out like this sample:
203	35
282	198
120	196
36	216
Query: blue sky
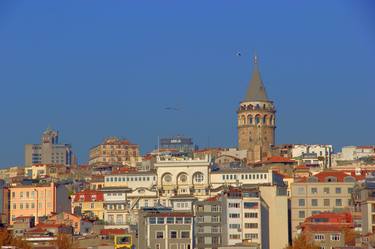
93	69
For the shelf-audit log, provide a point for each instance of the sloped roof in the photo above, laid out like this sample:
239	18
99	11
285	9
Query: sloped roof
89	196
256	90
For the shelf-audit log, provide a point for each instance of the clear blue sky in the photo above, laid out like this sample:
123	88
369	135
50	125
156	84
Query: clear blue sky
93	69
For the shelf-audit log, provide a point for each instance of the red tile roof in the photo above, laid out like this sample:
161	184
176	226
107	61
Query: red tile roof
88	196
278	159
339	175
114	231
213	198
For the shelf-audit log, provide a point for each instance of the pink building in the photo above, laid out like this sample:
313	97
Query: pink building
38	200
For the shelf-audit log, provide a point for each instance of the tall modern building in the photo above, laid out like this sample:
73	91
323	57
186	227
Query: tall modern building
256	120
49	151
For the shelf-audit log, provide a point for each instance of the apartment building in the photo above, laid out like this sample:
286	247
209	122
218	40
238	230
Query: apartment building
116	205
114	150
364	199
89	203
130	178
207	225
38	200
323	192
329	230
161	228
49	151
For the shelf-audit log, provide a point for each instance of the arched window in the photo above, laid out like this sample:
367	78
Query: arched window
198	177
265	119
182	178
243	121
167	178
257	119
250	119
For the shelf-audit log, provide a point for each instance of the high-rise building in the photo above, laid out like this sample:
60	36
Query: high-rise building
115	151
49	151
256	120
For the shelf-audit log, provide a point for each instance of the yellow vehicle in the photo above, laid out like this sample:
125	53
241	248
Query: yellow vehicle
124	242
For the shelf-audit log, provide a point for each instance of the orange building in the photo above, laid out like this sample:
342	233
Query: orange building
37	200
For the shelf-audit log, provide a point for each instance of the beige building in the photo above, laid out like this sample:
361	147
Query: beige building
256	120
325	191
49	151
182	178
115	151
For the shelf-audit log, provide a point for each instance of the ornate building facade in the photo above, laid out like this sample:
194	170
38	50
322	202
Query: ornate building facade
256	120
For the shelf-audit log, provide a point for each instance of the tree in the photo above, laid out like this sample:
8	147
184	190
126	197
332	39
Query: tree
7	239
302	242
64	242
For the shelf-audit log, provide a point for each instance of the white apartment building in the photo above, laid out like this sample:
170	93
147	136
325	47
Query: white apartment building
313	154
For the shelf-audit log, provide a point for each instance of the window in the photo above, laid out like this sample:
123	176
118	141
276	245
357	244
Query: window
234	226
92	205
326	190
160	220
215	230
170	220
338	190
338	202
250	205
13	194
179	220
185	234
215	219
314	190
21	194
301	202
251	215
326	202
319	237
14	206
301	214
301	190
350	190
251	236
234	215
21	206
314	202
173	235
198	177
214	208
234	236
234	205
251	225
187	220
159	235
152	220
335	237
157	246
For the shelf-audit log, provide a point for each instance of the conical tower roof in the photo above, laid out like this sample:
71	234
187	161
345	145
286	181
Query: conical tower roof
256	90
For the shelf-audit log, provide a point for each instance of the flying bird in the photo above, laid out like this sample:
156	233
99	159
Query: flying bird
172	109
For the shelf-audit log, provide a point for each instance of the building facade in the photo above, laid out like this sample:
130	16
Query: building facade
178	143
38	200
324	192
115	151
256	120
49	151
161	228
89	203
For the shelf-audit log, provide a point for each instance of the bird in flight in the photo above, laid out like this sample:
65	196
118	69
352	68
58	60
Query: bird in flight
172	109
